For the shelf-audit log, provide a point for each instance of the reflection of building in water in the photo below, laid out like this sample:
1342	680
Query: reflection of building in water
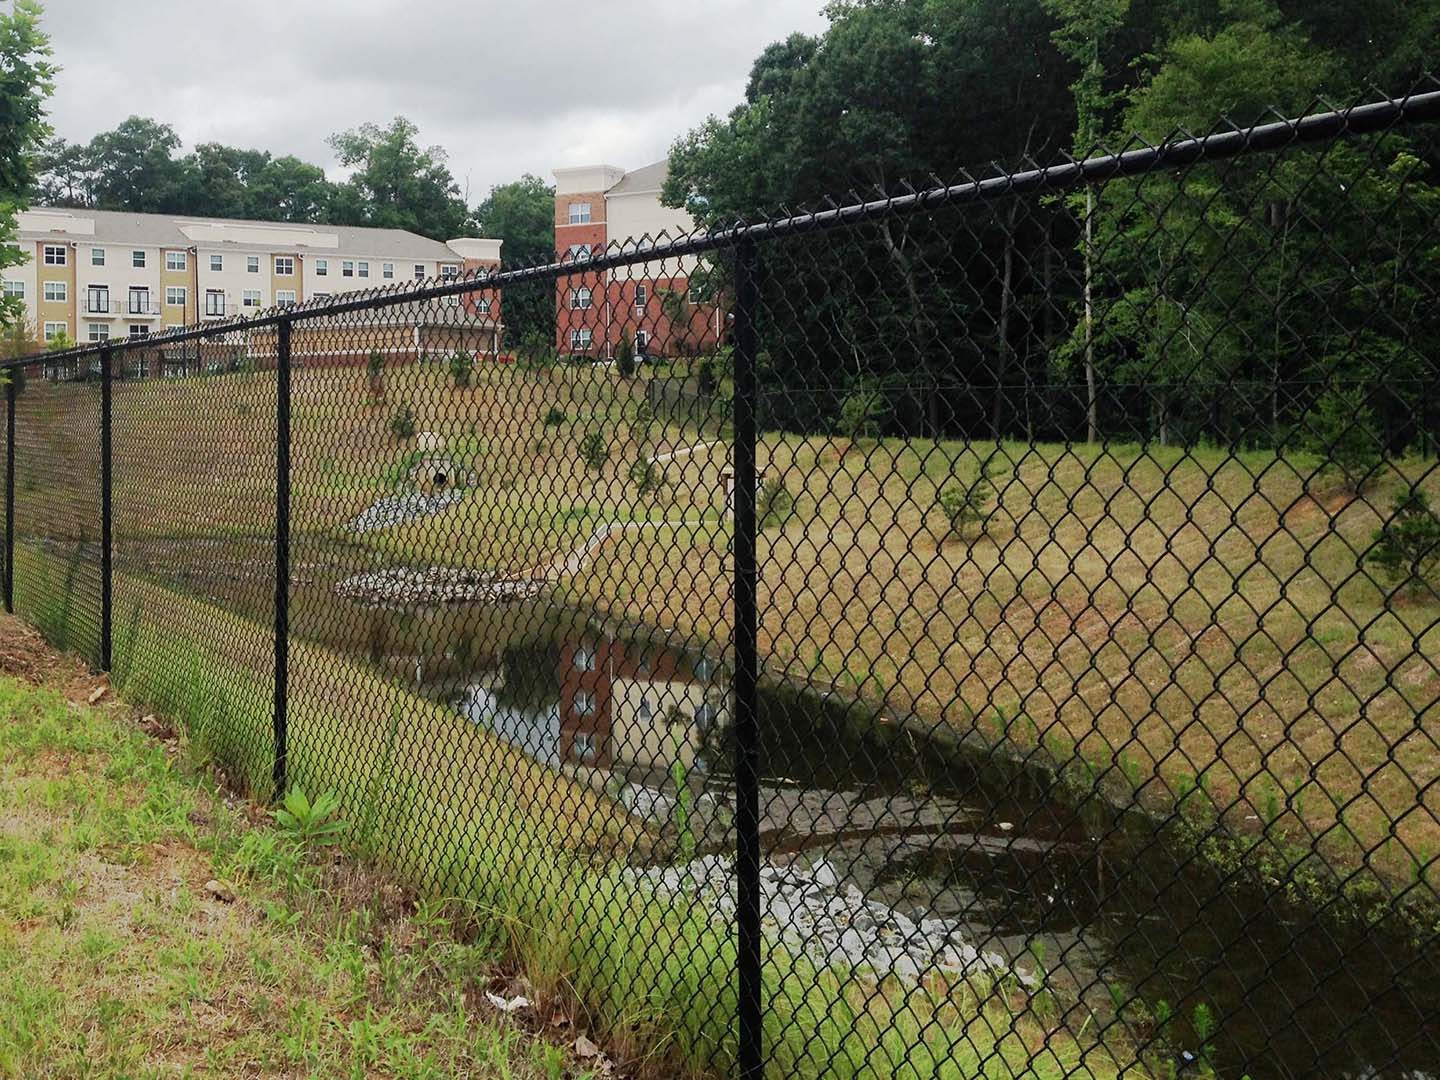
632	704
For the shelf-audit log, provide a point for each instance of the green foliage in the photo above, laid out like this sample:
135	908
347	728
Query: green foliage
402	422
773	502
28	80
522	215
537	348
1341	430
1406	548
375	364
625	356
862	412
310	823
395	183
968	503
594	449
554	417
647	477
462	368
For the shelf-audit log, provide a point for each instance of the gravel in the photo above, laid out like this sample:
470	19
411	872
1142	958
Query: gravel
395	510
435	585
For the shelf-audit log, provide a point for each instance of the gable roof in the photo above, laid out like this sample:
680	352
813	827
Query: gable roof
645	179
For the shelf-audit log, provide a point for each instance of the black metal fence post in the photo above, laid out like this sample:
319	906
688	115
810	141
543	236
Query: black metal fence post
14	374
106	509
282	551
747	754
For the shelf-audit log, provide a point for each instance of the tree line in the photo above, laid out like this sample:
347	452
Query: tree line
1224	301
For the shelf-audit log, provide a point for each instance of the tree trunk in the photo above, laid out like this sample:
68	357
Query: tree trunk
1092	405
1007	294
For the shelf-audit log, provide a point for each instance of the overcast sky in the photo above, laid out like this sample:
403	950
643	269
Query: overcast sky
506	86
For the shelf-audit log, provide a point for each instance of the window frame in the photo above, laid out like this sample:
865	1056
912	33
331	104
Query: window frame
387	271
94	251
97	331
177	261
420	274
139	259
13	288
362	269
54	328
214	308
322	267
281	301
347	267
62	287
55	255
183	291
576	216
576	332
252	264
289	262
579	303
246	295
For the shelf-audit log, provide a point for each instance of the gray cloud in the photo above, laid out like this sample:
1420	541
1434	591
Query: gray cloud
506	87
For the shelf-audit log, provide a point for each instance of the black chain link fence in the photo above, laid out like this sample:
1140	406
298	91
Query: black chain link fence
985	631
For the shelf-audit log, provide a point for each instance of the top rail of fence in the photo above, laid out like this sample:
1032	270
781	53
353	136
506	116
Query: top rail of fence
1368	118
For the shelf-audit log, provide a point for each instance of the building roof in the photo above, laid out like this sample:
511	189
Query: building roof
645	179
185	230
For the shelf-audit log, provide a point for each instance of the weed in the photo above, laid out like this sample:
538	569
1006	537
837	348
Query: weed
555	417
310	822
402	423
594	450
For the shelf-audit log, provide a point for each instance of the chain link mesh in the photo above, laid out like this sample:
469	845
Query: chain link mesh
1096	568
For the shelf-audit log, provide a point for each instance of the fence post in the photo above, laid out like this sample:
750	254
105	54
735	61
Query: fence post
282	551
747	732
14	374
106	509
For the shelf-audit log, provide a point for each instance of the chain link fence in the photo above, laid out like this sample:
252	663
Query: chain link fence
990	630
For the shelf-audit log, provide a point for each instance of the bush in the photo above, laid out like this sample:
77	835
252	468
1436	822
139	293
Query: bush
969	502
375	364
773	502
402	422
647	477
1406	549
462	366
594	450
863	411
554	417
625	357
1341	429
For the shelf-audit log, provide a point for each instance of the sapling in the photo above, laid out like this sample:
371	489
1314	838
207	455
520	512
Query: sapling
1406	548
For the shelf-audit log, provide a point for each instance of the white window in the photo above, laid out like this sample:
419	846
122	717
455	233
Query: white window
364	269
57	292
252	264
642	340
137	259
284	266
97	299
322	267
448	271
699	293
704	715
320	296
387	270
175	295
584	658
15	289
139	300
285	297
419	271
347	268
97	256
98	331
55	330
640	297
580	338
138	330
580	299
175	260
584	703
704	668
585	745
579	252
579	213
482	306
55	255
214	302
644	712
250	298
217	263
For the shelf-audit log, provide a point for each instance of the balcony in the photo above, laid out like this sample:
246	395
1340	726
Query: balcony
140	306
217	305
98	303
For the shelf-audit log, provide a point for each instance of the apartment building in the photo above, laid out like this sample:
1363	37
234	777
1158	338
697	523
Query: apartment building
655	305
94	275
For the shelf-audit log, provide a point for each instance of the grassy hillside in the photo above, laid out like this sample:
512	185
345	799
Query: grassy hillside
1174	624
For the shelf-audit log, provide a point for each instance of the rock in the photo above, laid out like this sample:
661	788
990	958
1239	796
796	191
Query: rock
218	890
585	1048
96	694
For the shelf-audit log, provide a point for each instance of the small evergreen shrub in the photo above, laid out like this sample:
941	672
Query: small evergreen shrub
968	503
1406	548
1341	429
462	367
594	450
402	422
554	417
647	477
773	502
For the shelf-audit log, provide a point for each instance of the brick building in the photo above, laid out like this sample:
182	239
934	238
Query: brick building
662	306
